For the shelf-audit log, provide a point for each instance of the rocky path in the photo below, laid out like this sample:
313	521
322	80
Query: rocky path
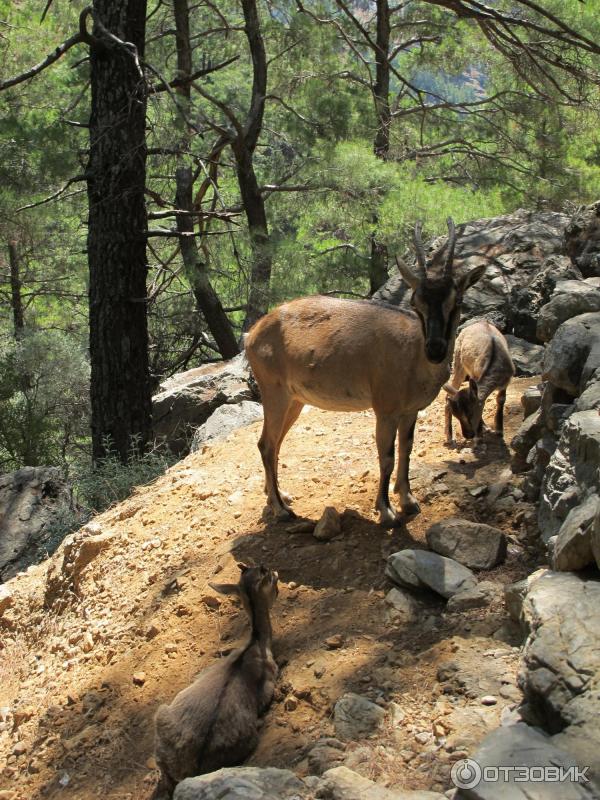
81	679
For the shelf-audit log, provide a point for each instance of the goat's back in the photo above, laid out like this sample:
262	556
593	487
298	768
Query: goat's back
341	354
210	724
482	350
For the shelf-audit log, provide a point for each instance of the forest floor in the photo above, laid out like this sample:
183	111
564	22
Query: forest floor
76	724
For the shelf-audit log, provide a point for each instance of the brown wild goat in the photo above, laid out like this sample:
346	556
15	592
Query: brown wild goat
214	722
481	356
347	355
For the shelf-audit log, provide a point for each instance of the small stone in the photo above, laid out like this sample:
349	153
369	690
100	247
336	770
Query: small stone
329	526
171	647
152	630
19	749
304	526
139	678
334	642
423	737
151	763
290	703
211	601
21	715
489	700
88	642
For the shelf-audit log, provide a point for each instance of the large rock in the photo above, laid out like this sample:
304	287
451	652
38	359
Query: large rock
572	358
341	783
225	420
573	547
188	399
572	473
582	239
243	783
527	357
521	251
32	501
419	569
473	544
355	717
560	673
569	299
517	746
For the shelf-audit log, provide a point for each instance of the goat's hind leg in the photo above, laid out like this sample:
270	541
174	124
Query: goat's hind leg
280	413
499	417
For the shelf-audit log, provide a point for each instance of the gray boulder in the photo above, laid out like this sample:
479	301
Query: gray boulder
355	717
521	251
401	606
527	357
419	569
243	783
515	746
473	544
572	472
341	783
582	239
560	672
188	399
531	400
572	358
573	547
33	501
478	597
569	299
225	420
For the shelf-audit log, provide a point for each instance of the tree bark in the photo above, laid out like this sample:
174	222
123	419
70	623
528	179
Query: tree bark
15	290
243	148
116	174
207	299
378	274
381	87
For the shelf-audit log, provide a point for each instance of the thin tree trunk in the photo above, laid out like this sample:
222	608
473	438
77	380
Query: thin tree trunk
381	87
243	149
254	207
116	174
378	274
207	299
15	290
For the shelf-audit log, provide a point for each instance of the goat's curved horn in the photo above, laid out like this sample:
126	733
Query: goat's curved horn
451	245
419	249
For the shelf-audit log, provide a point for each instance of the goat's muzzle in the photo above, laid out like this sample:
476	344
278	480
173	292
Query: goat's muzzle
436	349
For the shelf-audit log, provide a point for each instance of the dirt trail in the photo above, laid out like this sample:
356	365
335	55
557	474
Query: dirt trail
75	724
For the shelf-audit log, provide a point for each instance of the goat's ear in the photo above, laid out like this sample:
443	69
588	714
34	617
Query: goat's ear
226	588
472	277
242	567
473	387
409	276
447	387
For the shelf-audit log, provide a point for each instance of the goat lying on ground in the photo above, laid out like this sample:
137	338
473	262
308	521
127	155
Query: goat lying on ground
214	722
481	355
347	355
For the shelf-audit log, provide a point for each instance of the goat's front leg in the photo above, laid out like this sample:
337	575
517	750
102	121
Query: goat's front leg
448	423
385	433
499	418
406	432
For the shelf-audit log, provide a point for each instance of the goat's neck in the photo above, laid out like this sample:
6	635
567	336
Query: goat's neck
261	625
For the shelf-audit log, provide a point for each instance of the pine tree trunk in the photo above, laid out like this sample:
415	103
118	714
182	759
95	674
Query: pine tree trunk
15	289
116	174
207	300
256	215
381	145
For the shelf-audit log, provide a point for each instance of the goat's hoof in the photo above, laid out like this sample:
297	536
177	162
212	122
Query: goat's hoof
284	515
450	444
410	509
387	518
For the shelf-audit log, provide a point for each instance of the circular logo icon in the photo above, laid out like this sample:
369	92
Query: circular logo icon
466	773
